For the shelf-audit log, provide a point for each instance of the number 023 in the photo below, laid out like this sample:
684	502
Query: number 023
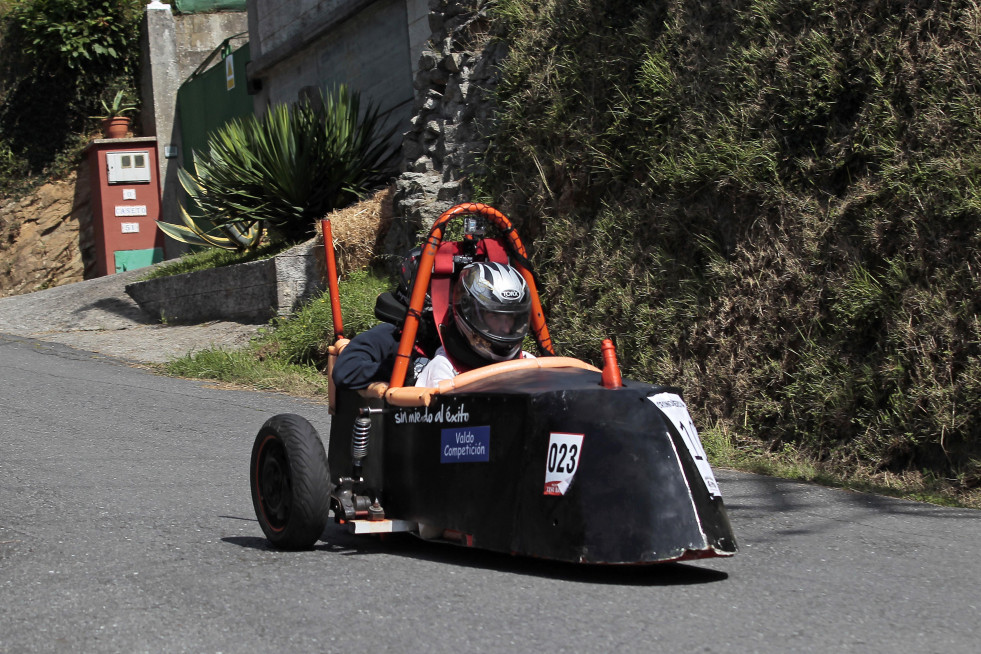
562	457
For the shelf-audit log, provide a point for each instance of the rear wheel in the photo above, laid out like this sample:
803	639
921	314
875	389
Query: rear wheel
290	482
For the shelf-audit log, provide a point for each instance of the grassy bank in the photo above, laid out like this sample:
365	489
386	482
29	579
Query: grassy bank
290	353
771	204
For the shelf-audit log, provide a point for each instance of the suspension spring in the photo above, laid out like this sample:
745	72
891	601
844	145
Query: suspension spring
359	438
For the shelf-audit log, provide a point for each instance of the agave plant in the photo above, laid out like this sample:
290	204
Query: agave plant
233	236
285	170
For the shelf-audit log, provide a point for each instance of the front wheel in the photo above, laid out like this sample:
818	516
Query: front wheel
290	482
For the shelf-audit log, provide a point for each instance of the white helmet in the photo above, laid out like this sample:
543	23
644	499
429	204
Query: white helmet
491	309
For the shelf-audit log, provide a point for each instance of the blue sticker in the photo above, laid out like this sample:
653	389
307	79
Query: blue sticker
465	445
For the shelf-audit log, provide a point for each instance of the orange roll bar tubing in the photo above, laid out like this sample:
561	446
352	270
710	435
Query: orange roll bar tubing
335	296
424	273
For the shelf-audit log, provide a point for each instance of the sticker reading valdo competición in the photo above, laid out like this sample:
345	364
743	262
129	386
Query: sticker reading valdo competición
562	461
465	445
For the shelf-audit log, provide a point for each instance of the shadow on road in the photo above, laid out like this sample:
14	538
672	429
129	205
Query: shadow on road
115	306
336	541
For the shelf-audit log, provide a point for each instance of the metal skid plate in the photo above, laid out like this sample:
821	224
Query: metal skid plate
380	526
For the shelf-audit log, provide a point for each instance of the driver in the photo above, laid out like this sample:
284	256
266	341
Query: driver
491	310
370	356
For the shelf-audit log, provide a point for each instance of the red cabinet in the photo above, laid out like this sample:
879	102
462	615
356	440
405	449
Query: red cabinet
125	204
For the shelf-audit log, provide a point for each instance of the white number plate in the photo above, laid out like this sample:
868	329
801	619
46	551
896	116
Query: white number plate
674	408
562	462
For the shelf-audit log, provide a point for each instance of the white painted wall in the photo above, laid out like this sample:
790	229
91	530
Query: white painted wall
417	13
280	20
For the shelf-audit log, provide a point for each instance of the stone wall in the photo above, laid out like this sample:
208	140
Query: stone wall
451	115
46	237
246	292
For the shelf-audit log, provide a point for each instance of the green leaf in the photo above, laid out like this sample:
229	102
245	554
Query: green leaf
184	235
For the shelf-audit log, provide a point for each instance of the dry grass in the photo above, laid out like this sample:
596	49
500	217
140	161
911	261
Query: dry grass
359	230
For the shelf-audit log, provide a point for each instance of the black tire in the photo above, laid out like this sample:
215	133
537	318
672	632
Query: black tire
290	482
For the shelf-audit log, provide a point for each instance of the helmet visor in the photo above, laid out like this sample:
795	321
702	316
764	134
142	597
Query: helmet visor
502	324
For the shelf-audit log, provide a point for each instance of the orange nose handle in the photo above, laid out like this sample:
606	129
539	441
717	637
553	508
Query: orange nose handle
611	369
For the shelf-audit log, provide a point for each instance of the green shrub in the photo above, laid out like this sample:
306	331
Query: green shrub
13	171
774	205
302	338
59	60
287	169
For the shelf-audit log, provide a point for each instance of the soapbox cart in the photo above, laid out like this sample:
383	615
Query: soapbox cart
547	457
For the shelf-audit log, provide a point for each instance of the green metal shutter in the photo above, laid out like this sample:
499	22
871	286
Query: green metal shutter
207	6
205	103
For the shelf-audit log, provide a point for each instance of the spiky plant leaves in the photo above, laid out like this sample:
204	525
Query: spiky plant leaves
246	235
242	235
184	234
236	237
288	168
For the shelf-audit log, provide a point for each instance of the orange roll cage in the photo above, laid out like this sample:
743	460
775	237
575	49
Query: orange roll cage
424	273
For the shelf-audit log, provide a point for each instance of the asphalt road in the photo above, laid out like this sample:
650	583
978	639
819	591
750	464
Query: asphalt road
126	526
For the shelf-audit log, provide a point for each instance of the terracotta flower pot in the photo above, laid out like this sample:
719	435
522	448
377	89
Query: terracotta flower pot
116	127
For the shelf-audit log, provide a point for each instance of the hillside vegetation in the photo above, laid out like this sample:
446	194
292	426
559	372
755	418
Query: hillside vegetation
773	204
59	59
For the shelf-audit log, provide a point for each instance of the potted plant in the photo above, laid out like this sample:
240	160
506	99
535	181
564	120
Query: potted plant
115	118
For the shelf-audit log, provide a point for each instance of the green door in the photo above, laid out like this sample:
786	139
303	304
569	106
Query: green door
133	259
209	99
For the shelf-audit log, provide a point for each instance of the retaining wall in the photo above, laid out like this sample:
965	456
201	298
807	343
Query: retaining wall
452	114
246	292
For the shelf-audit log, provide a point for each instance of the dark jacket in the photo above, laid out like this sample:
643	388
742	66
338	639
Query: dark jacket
369	357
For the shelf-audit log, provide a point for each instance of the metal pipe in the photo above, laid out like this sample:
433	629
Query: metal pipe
611	369
424	272
335	298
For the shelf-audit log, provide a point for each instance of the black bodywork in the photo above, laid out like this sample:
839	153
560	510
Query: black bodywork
548	457
636	495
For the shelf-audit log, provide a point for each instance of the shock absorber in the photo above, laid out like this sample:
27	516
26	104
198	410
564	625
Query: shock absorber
351	505
360	436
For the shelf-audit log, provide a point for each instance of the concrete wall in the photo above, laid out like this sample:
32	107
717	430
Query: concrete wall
275	23
173	48
199	34
370	45
417	13
246	292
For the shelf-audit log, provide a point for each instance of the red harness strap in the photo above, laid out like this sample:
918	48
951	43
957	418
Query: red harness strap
441	282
